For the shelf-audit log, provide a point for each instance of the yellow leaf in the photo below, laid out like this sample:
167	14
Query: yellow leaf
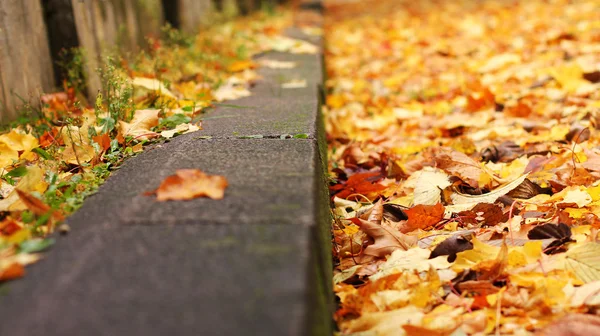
32	181
594	192
78	155
570	77
139	127
576	213
19	141
480	252
385	323
8	155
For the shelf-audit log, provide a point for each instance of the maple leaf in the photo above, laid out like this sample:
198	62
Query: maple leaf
187	184
423	216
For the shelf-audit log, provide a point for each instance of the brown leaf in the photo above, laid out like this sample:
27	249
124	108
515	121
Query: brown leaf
487	214
33	203
457	163
387	240
507	151
187	184
423	216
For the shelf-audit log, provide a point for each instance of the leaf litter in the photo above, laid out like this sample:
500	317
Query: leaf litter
463	141
55	156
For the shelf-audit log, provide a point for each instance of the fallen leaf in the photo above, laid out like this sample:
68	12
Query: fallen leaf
573	325
387	240
423	216
458	164
153	85
429	185
413	259
187	184
139	127
584	261
491	197
385	323
11	272
452	245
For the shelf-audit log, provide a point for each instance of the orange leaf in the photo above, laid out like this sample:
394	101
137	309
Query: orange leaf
14	271
9	226
360	184
187	184
423	216
103	140
50	137
33	203
37	206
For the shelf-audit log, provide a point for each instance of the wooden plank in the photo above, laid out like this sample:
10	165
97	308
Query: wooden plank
194	13
115	26
25	62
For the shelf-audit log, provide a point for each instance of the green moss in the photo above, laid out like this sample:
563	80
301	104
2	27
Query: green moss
225	242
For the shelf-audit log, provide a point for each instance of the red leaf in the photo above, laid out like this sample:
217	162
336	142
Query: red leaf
360	184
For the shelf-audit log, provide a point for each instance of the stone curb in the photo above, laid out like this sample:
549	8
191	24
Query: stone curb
255	263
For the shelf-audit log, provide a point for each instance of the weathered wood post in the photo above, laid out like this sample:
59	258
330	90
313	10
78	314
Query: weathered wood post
113	24
188	15
25	63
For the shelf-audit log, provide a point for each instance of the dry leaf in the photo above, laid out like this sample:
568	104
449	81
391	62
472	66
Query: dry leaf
584	261
429	185
423	217
573	325
387	240
491	197
139	127
187	184
458	164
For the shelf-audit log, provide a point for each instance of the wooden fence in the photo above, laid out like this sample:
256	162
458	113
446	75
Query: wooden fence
34	32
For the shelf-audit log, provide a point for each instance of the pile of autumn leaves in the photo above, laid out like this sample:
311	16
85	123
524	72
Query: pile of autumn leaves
66	153
464	147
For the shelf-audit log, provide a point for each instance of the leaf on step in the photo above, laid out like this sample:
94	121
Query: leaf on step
187	184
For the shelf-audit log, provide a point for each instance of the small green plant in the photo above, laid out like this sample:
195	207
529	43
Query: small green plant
116	98
72	63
